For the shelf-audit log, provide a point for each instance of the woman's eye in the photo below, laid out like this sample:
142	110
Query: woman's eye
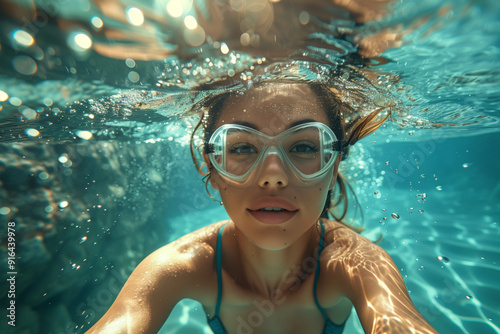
304	148
242	149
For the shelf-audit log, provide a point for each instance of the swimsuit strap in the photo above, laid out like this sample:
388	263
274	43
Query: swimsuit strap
316	277
219	270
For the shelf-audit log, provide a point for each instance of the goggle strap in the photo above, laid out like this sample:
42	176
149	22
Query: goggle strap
209	148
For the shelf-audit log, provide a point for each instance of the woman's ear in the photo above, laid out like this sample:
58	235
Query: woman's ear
210	171
205	164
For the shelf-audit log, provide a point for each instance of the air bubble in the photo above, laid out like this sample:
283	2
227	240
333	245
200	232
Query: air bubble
130	62
245	39
4	211
64	160
175	8
43	176
15	101
80	41
190	22
23	38
97	22
3	96
423	196
443	259
135	16
48	102
195	37
24	65
224	48
28	113
304	17
83	134
133	76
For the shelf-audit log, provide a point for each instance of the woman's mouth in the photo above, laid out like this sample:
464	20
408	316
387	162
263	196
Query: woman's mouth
272	215
272	210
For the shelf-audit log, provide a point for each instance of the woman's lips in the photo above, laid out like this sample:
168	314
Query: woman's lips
272	202
288	210
272	217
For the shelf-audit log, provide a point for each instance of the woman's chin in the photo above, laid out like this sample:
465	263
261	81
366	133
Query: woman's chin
272	241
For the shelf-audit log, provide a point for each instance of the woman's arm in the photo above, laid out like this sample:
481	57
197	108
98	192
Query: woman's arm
368	276
155	287
381	298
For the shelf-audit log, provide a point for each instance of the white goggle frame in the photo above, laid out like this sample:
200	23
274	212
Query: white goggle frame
329	149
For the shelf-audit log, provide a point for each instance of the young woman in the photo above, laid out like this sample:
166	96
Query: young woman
278	265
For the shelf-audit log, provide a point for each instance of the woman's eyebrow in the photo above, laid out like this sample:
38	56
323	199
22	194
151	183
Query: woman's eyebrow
247	124
302	121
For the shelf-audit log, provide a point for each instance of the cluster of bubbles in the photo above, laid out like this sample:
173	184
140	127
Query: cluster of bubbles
25	63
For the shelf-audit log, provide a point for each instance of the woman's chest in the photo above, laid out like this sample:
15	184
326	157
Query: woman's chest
293	310
263	317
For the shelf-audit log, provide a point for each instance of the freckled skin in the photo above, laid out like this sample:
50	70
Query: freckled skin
270	268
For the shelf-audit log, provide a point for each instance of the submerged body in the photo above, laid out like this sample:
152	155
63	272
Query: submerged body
186	268
268	271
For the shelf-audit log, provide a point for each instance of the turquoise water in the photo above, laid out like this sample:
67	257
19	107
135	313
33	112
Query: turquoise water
445	241
428	180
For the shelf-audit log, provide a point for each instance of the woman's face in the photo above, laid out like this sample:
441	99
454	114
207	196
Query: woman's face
271	109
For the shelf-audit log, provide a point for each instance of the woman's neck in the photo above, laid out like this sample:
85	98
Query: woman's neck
268	272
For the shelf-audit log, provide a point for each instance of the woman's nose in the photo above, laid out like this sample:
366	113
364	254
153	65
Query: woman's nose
273	172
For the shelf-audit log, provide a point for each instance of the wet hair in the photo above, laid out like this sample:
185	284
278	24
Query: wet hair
344	120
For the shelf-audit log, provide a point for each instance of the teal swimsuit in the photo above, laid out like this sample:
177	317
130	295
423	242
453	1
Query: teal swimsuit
216	324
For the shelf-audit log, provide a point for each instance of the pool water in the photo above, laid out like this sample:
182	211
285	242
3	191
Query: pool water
100	89
445	241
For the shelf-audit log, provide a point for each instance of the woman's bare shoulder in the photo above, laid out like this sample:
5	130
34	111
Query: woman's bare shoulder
186	263
367	275
353	260
178	270
337	232
345	246
192	252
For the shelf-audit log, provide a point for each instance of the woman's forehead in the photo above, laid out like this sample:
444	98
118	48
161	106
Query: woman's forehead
278	104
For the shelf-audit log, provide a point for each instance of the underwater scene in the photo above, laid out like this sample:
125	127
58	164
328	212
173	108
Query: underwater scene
99	99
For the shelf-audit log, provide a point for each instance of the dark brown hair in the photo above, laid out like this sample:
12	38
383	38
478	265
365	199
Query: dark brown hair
345	121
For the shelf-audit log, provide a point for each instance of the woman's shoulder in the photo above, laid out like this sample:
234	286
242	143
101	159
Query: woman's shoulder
184	268
344	244
194	248
348	255
189	259
178	270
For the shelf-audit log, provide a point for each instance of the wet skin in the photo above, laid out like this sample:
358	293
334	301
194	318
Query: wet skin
272	110
269	268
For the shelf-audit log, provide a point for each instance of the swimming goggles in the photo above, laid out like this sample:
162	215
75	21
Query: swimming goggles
307	151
